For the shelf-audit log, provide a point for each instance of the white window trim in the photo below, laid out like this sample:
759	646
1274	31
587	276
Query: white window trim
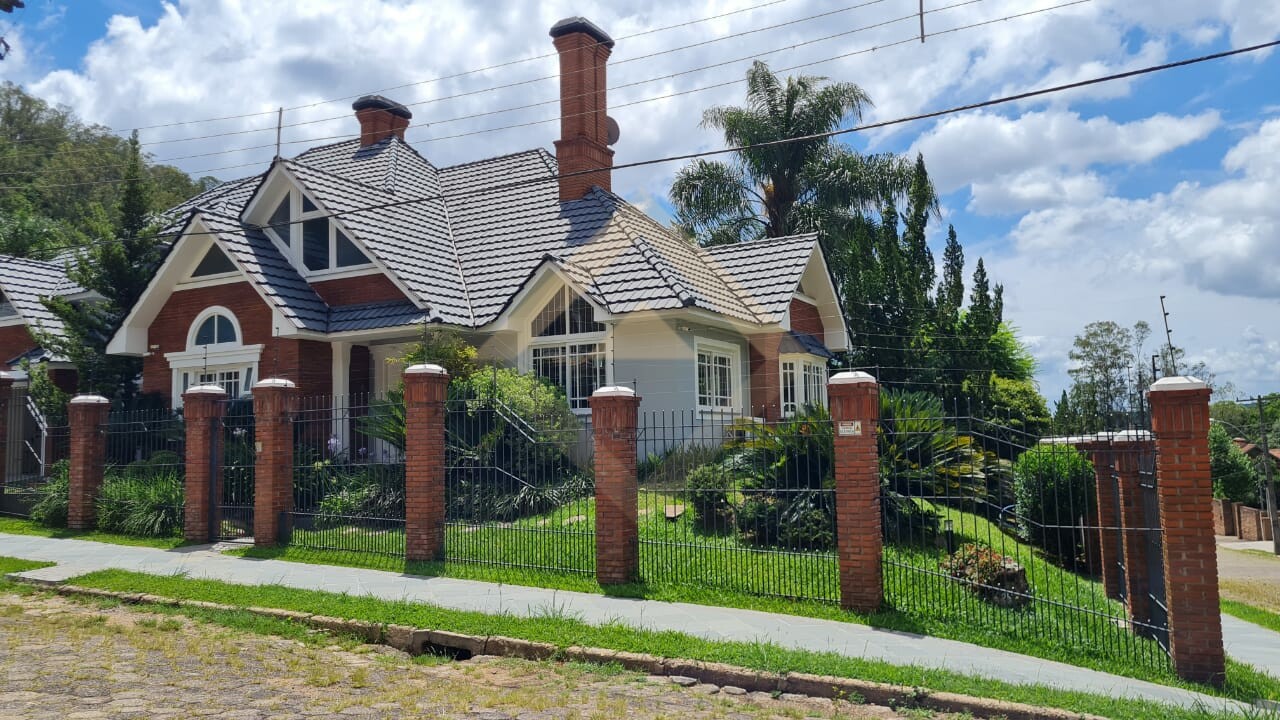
205	315
210	280
600	337
802	362
239	357
293	248
735	374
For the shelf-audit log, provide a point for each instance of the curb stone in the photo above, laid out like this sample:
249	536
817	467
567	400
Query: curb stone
418	641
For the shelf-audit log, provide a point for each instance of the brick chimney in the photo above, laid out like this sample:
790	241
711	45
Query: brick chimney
584	128
380	118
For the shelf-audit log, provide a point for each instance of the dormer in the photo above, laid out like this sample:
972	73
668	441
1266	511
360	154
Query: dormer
316	244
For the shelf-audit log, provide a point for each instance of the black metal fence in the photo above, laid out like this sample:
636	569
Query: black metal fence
143	489
348	482
519	488
986	532
733	503
234	452
37	445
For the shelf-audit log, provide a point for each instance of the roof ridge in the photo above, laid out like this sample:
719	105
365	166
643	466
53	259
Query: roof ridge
578	267
646	250
495	157
453	244
332	174
796	236
323	147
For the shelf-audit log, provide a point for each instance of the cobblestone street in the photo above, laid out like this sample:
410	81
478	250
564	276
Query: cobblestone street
69	661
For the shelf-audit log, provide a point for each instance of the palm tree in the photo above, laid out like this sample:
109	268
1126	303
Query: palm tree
809	185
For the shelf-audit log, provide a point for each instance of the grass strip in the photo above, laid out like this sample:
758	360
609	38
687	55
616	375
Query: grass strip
13	565
562	629
1255	615
19	526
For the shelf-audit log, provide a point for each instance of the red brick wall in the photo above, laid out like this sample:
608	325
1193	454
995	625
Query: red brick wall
583	130
424	399
308	363
66	379
805	318
857	486
766	384
14	340
356	290
613	422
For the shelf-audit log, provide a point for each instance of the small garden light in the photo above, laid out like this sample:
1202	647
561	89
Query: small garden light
947	527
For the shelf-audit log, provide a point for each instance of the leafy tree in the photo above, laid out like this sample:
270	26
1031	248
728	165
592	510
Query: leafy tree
444	346
1104	365
1054	487
778	190
1234	477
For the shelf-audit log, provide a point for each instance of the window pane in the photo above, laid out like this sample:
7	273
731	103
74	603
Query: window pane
207	334
549	364
315	244
214	262
279	220
226	331
704	379
588	373
788	388
582	316
307	205
551	320
348	253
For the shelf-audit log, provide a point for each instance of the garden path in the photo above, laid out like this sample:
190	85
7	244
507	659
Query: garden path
77	557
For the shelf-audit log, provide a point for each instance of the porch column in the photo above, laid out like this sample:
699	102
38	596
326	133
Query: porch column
341	388
1180	421
202	407
855	412
87	415
274	403
425	390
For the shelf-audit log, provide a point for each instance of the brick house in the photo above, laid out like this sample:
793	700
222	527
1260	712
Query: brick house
23	283
325	268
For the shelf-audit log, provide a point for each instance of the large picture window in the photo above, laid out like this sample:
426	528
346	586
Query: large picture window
717	376
563	351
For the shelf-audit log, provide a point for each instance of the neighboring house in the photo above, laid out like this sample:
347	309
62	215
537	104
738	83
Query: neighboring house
287	274
1255	451
23	283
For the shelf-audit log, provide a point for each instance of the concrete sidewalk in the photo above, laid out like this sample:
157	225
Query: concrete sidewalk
77	557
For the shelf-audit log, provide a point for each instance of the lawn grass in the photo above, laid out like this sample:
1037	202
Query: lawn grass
1071	620
13	565
19	526
1255	615
563	631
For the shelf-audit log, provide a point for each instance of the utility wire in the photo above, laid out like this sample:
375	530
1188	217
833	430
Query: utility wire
515	184
912	39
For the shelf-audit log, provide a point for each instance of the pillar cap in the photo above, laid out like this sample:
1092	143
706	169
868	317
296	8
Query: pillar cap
425	369
851	378
205	390
274	383
614	391
1180	382
89	400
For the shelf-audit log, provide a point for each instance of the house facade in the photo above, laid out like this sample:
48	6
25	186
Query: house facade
325	268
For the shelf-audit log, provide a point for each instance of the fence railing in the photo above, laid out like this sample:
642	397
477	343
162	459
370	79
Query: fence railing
36	447
143	489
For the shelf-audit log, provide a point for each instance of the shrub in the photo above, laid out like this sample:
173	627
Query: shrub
707	491
361	491
1054	488
1234	477
672	467
54	495
150	505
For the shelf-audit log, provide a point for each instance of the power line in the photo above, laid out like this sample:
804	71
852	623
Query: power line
912	39
515	184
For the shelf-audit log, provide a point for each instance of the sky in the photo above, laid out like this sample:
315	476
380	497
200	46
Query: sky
1086	205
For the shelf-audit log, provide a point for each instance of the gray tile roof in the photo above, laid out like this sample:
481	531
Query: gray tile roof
484	230
24	282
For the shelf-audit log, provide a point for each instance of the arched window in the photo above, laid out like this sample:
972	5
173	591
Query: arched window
565	346
216	330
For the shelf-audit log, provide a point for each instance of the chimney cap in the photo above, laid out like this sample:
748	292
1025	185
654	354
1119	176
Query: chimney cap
377	102
579	24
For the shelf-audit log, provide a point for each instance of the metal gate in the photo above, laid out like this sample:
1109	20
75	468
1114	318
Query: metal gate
1159	609
233	461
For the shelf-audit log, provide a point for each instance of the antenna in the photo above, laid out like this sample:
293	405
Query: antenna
1168	338
922	22
275	351
279	123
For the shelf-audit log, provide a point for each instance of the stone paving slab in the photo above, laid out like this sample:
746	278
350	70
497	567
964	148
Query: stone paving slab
76	557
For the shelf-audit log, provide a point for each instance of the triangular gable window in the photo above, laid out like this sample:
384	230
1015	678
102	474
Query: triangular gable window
215	262
567	313
7	310
279	220
311	238
348	253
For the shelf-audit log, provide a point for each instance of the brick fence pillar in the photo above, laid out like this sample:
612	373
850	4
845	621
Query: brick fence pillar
1180	421
614	417
855	412
1128	457
202	409
6	396
87	416
1106	490
426	387
275	402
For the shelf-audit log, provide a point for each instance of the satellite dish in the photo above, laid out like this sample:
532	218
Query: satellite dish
614	132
